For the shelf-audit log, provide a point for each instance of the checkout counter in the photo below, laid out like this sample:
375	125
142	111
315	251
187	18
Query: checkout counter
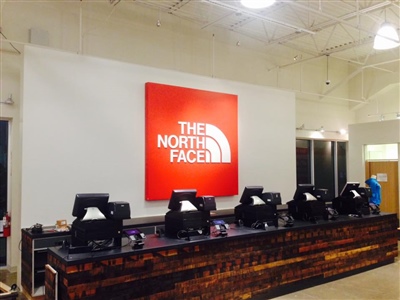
244	263
194	256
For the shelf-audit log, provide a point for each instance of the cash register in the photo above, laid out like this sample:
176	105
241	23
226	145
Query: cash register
188	215
98	223
257	210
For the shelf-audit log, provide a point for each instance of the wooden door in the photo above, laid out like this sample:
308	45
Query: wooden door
389	170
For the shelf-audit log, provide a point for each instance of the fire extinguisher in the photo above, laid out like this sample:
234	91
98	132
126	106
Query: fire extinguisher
6	225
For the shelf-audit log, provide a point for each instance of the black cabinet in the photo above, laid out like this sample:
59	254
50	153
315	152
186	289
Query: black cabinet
34	257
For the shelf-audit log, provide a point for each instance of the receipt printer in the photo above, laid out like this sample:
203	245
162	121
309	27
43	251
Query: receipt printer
205	203
322	195
119	210
272	198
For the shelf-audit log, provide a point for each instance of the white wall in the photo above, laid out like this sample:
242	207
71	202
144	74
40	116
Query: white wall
333	117
176	45
380	92
372	133
83	131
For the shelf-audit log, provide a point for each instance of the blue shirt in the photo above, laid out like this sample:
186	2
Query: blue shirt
375	189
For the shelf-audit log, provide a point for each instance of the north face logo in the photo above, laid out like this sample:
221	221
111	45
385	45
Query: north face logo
191	141
196	143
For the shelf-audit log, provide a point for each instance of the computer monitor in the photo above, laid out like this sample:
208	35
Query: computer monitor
178	196
250	191
301	189
91	206
346	191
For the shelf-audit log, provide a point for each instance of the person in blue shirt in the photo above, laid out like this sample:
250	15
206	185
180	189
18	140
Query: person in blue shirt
375	189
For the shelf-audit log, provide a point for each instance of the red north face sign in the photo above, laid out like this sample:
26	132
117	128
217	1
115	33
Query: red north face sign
191	141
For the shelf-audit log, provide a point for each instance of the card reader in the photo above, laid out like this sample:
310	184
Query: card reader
136	236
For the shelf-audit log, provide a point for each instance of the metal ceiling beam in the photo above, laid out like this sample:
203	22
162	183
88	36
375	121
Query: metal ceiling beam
259	16
340	83
346	17
219	19
331	22
381	63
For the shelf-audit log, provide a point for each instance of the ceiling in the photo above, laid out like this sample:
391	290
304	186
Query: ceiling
290	31
311	28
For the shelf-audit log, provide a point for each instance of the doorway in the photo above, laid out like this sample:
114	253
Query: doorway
4	130
387	175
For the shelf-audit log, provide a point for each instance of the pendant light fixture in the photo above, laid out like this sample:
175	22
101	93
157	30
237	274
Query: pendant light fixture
386	37
257	3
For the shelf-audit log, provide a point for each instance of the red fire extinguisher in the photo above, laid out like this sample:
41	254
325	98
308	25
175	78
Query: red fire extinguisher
6	225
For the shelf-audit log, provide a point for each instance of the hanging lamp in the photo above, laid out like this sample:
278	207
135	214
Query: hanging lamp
386	37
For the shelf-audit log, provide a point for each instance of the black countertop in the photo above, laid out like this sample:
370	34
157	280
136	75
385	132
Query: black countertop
48	231
154	243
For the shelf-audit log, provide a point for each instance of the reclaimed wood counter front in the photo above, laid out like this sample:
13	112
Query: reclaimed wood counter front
246	264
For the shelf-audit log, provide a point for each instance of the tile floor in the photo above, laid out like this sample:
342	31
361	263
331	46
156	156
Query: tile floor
9	279
378	284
